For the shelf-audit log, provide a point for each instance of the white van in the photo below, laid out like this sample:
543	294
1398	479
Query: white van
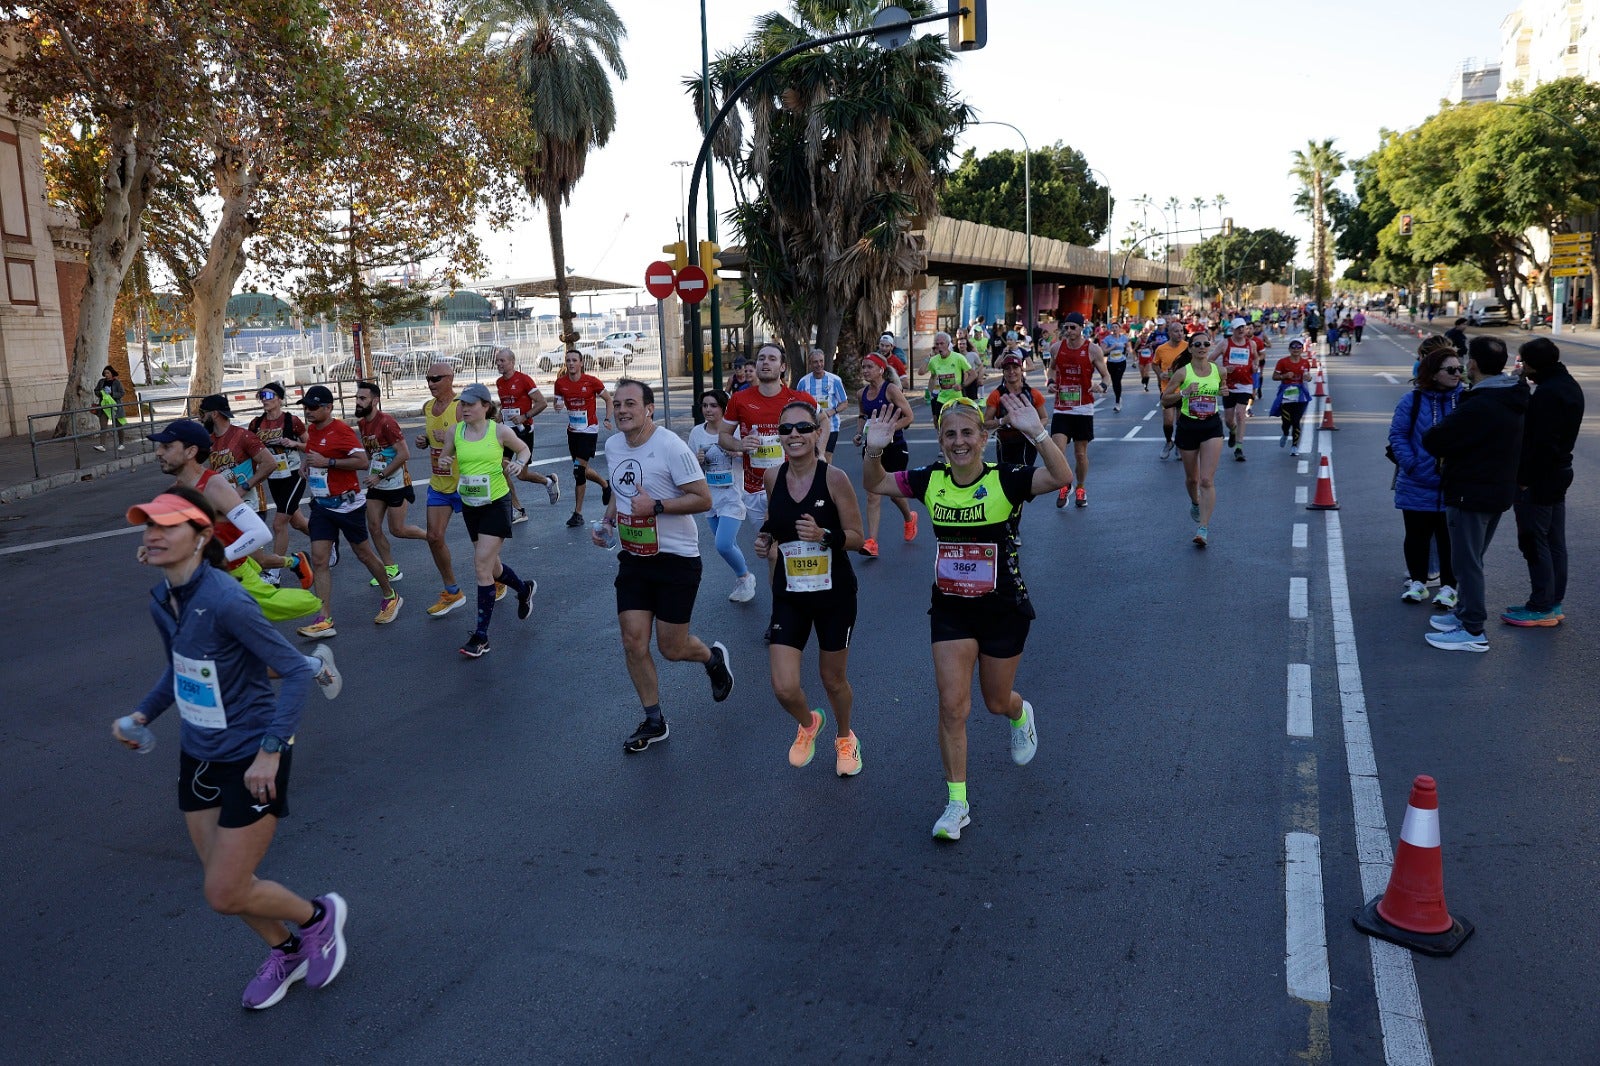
1487	311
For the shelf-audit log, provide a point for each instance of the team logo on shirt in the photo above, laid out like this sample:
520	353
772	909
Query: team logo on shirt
628	478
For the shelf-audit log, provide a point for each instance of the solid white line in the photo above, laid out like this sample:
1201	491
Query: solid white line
1297	597
1298	539
43	544
1303	467
1132	433
1301	495
1299	700
1305	930
1394	977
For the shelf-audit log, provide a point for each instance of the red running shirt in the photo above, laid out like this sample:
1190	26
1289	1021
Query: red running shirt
578	398
516	394
760	415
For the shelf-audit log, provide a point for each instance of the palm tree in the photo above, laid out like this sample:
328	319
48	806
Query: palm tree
1316	168
559	52
1222	202
1199	203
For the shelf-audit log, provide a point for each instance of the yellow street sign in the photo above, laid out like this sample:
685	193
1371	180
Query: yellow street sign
1570	272
1569	259
1557	240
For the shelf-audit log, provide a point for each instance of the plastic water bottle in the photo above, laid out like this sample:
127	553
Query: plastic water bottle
606	534
139	734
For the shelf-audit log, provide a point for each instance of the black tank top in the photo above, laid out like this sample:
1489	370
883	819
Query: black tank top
782	514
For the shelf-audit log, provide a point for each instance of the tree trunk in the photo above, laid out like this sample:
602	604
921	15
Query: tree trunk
113	244
237	181
558	256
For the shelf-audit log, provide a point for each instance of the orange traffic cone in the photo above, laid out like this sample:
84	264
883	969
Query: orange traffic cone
1324	500
1320	390
1327	415
1411	911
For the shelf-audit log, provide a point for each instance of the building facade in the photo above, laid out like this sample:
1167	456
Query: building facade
1544	40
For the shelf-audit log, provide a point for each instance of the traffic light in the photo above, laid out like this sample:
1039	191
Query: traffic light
679	252
709	262
1405	225
969	24
1227	227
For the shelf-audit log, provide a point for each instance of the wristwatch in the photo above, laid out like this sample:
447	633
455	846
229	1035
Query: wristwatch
661	508
272	745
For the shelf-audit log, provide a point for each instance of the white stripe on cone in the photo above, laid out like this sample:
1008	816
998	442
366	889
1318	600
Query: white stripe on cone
1421	828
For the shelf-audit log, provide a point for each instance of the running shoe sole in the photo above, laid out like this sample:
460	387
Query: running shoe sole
727	668
335	685
436	611
328	958
474	651
636	743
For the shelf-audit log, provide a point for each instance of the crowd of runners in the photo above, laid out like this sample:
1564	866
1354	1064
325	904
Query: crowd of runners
761	458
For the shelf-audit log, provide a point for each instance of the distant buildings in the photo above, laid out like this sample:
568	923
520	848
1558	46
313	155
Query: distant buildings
1473	82
1544	40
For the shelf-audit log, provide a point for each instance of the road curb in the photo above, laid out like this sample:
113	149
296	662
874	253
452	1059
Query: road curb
29	489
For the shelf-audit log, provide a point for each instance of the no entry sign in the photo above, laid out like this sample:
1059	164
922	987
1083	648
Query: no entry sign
659	280
692	287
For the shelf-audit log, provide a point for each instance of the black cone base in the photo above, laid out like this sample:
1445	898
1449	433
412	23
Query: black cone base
1370	922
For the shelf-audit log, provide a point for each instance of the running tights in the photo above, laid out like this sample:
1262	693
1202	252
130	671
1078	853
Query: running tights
1292	413
726	531
1118	367
1424	529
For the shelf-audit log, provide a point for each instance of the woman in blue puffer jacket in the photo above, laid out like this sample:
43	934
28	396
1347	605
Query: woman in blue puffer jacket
1416	482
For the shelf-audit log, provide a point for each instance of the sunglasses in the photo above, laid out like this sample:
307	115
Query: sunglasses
959	401
1449	370
434	379
267	394
786	428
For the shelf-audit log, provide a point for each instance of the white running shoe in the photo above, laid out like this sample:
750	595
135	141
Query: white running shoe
1415	592
956	817
1024	738
744	589
1445	597
552	489
328	676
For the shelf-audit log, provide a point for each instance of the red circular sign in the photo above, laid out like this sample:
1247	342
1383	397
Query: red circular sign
659	280
692	287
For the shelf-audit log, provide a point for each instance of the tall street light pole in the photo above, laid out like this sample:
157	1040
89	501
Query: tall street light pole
1110	316
682	165
1166	233
1027	207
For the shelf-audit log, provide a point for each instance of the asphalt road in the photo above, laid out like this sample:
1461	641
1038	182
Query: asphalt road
519	886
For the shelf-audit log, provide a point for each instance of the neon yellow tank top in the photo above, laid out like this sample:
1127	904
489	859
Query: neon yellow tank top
439	428
479	477
1203	405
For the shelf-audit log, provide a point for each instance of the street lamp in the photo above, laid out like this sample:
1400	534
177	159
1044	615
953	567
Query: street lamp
1166	245
1027	206
1107	181
682	165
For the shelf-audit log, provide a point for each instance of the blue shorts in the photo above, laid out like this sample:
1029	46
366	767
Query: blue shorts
451	500
326	524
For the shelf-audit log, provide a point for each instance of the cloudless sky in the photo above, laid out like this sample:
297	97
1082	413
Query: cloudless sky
1165	98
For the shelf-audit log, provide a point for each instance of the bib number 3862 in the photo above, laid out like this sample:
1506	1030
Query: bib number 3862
966	570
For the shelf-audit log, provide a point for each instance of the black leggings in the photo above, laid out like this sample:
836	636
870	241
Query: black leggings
1118	368
1292	413
1423	530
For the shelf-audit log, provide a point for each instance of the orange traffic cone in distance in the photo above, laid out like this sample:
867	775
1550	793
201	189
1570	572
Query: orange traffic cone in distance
1327	415
1321	376
1324	501
1412	912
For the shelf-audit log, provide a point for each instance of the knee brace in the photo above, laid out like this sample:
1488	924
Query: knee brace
578	471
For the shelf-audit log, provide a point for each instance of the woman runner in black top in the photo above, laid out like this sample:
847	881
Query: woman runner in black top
813	521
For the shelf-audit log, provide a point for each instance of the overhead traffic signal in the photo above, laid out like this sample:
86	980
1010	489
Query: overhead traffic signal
709	262
1405	225
679	251
1227	227
969	24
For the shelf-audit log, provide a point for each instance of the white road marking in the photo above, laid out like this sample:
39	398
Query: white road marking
1134	432
1301	495
1152	414
1297	539
1390	378
1305	932
1297	597
1303	467
43	544
1394	977
1299	700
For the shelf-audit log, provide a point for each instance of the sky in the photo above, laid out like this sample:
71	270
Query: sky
1165	98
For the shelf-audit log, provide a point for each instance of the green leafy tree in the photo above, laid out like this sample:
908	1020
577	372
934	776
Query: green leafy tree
1246	258
1068	205
562	54
839	153
1316	167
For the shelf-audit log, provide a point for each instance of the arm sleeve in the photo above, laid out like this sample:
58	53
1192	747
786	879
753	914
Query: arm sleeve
245	622
253	533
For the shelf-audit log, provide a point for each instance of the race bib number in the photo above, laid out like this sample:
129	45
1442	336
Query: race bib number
719	479
474	489
1291	394
197	690
437	462
396	480
947	381
1202	406
1238	357
1145	355
1069	397
965	569
769	453
638	533
511	417
807	567
282	469
317	481
577	421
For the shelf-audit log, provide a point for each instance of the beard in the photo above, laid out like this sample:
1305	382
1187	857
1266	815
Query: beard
363	412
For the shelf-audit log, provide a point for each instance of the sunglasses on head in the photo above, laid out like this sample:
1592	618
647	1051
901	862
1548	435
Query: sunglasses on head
434	379
786	428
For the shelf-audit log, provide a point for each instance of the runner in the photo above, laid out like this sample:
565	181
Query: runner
894	358
980	610
1292	397
1073	421
877	394
1195	390
1239	362
948	374
659	488
813	522
438	426
1166	358
236	453
236	741
827	390
727	496
1147	354
477	451
1010	446
576	393
284	435
338	506
1115	347
520	403
975	363
751	426
388	481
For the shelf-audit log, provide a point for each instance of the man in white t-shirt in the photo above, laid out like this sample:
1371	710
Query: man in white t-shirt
827	388
657	488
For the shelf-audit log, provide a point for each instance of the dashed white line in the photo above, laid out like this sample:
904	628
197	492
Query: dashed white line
1297	597
1301	494
1299	536
1303	467
1300	700
1132	433
1305	933
1151	415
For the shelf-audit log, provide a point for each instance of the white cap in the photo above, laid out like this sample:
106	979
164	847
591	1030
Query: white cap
1237	323
1161	321
886	337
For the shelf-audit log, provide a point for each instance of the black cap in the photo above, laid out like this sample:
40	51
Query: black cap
216	402
317	396
186	430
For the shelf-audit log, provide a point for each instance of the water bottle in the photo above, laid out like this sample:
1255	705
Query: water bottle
606	534
139	734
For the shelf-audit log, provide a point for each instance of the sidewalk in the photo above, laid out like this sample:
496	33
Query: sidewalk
1584	337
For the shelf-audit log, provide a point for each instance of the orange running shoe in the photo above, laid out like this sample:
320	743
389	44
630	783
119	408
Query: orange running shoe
869	548
848	751
911	528
805	740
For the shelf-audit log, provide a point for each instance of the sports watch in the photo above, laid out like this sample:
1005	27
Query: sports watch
272	745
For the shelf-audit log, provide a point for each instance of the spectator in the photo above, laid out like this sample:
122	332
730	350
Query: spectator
1555	411
108	394
1480	445
1417	490
1458	336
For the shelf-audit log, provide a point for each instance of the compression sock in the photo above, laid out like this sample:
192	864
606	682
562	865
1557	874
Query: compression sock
652	713
509	578
485	609
958	791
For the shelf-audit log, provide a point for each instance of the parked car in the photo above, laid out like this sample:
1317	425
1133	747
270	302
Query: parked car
382	363
554	358
627	343
477	356
418	360
1488	312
